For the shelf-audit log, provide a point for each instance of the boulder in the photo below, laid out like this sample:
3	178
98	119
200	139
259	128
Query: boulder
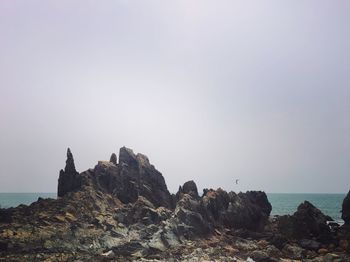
69	179
191	219
307	222
248	210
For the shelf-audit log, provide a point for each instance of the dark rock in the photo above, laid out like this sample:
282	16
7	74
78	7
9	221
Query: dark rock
137	177
190	188
6	215
69	179
278	241
216	202
113	158
293	251
310	244
142	211
346	209
190	212
261	256
3	246
128	248
306	223
127	157
248	210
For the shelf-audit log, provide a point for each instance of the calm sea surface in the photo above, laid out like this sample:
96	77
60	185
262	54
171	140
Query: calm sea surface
282	204
329	204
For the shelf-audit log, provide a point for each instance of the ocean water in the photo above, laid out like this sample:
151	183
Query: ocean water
15	199
282	204
329	204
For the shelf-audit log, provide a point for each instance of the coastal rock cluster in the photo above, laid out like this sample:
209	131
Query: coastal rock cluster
123	211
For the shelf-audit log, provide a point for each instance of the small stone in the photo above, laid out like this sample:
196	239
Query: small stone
344	244
322	251
262	243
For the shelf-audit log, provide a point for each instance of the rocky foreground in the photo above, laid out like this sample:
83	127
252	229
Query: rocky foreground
123	211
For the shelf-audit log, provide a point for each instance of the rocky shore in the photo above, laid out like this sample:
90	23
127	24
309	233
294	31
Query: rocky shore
121	210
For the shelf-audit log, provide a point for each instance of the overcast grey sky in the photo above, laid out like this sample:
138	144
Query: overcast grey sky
208	90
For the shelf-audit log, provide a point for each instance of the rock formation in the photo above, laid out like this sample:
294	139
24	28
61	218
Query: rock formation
69	179
113	158
307	222
124	212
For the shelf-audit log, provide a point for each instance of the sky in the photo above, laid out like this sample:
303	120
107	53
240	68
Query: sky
210	91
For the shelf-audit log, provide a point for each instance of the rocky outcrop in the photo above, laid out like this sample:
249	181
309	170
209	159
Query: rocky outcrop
308	222
132	177
346	210
248	210
69	179
113	158
124	212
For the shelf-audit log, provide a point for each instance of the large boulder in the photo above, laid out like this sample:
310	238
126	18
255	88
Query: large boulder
69	179
191	217
346	210
308	222
248	210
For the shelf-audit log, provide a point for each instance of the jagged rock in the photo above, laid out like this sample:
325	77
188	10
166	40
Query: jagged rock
306	223
216	202
142	211
127	157
190	188
69	179
113	158
346	209
191	213
124	211
248	210
137	177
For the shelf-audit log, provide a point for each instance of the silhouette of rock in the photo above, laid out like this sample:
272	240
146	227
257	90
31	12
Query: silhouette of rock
346	209
113	158
190	188
69	179
248	210
124	212
308	222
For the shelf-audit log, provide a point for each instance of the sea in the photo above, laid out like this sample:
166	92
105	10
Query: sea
282	203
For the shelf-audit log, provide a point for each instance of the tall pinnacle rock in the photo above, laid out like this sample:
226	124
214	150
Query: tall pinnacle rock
70	166
69	179
113	158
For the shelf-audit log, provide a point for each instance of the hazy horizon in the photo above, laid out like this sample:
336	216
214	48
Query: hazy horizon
210	92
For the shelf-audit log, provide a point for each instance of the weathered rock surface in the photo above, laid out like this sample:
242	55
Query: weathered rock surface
113	158
69	179
307	222
124	212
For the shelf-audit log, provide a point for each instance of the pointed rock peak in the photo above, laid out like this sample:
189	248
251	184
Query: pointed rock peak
142	159
127	156
70	166
190	187
113	158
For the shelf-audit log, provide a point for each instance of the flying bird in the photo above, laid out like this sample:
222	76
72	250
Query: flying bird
237	181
